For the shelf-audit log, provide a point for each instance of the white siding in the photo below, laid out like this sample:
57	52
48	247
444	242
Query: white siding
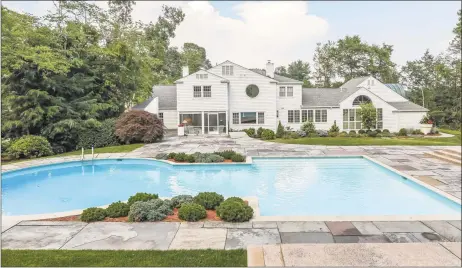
389	118
170	118
379	89
153	106
240	102
187	102
332	115
409	120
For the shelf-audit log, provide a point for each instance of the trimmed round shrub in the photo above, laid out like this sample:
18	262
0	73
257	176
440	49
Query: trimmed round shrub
180	157
361	131
308	127
190	158
139	126
238	158
313	135
178	200
93	214
379	135
162	156
372	134
343	134
234	199
267	134
209	200
152	210
333	134
233	210
29	146
117	209
141	197
334	128
250	132
208	158
352	132
417	132
378	131
259	132
228	154
171	155
402	132
191	212
101	134
385	131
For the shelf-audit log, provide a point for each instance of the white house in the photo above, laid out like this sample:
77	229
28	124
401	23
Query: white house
231	97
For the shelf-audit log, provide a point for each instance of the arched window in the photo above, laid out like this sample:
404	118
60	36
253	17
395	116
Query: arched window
361	99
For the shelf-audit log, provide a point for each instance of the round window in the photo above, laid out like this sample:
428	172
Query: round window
252	91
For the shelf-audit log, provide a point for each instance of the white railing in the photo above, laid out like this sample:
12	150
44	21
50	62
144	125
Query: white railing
82	157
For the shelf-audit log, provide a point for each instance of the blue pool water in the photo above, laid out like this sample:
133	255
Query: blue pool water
284	186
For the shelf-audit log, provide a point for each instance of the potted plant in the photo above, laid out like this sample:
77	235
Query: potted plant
181	129
426	125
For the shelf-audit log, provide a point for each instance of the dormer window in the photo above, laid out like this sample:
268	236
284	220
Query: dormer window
202	76
360	100
227	70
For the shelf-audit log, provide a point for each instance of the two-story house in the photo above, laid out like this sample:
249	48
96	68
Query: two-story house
231	97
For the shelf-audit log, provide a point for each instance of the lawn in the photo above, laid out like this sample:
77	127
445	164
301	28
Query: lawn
124	258
346	141
109	149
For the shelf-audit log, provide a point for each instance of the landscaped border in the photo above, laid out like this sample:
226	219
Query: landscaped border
253	201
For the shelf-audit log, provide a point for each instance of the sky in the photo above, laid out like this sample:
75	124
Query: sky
250	33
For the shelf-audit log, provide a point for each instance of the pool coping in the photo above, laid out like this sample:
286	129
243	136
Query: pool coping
253	201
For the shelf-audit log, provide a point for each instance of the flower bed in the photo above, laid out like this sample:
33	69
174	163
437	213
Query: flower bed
206	206
197	157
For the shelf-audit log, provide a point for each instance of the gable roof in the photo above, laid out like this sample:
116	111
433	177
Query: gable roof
325	97
224	79
167	98
252	70
408	106
352	83
277	77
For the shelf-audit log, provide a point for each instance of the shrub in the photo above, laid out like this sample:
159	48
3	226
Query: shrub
361	131
259	131
29	147
171	155
362	135
234	198
368	115
434	130
228	154
190	158
378	131
141	197
6	143
101	134
313	135
417	132
343	134
352	132
301	133
372	134
180	157
234	210
162	156
208	158
250	132
402	132
238	158
308	127
267	134
209	200
139	126
322	133
178	200
192	212
279	131
93	214
117	209
379	135
334	128
333	134
385	131
152	210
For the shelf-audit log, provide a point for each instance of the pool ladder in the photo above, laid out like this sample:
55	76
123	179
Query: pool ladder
92	154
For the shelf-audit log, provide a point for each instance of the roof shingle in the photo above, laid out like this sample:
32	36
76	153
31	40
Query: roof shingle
167	98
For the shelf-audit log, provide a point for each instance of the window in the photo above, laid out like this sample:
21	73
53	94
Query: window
248	118
351	119
324	116
318	115
290	91
304	115
290	116
261	118
361	99
197	91
310	115
297	116
207	91
227	70
161	117
252	91
379	118
202	76
282	91
236	118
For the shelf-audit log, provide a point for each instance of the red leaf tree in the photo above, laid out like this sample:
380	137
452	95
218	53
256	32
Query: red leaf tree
139	126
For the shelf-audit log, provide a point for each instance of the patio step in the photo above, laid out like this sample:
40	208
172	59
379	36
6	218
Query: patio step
444	157
452	152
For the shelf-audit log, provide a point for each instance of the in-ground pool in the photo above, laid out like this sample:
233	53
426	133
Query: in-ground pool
284	186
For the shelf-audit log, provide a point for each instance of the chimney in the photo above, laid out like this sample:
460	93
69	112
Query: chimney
185	71
270	69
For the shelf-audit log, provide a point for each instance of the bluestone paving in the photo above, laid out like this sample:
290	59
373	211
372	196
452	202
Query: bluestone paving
273	255
342	228
121	235
367	228
401	226
453	247
241	238
428	237
217	224
294	226
456	224
264	224
361	239
445	229
39	237
401	237
302	238
200	238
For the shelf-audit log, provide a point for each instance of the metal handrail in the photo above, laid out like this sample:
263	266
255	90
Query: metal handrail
82	157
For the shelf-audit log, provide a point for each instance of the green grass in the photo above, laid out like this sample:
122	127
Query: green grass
346	141
450	131
124	258
110	149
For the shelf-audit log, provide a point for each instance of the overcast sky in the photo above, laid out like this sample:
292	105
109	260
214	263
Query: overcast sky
249	33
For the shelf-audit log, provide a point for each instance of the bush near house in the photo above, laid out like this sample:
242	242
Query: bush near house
152	210
234	209
139	126
192	212
402	132
141	197
267	134
259	132
29	146
117	209
99	135
280	130
93	214
308	127
178	200
250	132
209	200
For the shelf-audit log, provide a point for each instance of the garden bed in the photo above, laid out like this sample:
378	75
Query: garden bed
228	156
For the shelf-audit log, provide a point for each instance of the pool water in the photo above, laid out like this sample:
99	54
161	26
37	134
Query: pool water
284	186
